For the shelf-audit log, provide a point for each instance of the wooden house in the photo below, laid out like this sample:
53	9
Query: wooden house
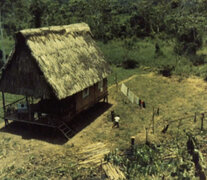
59	66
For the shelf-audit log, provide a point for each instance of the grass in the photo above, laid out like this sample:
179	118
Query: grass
143	52
174	96
122	74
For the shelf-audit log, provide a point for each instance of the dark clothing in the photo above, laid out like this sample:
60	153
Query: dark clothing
143	104
116	124
112	115
140	103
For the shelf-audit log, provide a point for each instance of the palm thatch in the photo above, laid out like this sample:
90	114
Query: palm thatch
65	57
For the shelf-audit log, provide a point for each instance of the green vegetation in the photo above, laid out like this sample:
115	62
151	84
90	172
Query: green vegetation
165	37
126	29
167	155
159	35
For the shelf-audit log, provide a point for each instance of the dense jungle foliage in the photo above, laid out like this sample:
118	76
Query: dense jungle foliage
184	20
168	35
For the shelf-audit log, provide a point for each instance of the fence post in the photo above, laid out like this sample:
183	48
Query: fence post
153	121
195	118
158	111
116	81
146	135
202	118
132	140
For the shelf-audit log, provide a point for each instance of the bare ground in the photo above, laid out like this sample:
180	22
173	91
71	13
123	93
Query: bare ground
20	147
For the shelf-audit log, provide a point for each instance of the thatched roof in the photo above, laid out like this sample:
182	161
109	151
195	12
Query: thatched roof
67	56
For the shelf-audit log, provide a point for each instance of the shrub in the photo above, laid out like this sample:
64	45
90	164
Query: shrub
188	42
129	64
158	51
142	159
166	70
198	59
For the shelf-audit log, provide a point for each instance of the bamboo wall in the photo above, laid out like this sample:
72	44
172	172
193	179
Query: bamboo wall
24	77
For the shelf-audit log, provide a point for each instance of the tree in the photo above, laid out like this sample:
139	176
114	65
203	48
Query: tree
37	8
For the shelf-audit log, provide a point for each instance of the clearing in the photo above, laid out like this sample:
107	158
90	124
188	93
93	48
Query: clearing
30	152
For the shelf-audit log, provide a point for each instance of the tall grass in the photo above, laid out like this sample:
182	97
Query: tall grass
143	52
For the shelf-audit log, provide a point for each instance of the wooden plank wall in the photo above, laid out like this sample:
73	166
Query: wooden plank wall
94	96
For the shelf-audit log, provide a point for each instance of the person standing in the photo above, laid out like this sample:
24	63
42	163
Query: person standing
140	103
112	115
143	104
116	121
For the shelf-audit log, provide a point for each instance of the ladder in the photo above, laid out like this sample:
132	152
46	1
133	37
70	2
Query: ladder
65	129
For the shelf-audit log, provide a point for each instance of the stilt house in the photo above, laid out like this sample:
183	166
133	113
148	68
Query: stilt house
60	71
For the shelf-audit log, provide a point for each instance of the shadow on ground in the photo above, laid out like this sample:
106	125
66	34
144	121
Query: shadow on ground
53	135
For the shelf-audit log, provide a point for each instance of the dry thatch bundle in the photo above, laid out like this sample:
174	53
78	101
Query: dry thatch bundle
53	61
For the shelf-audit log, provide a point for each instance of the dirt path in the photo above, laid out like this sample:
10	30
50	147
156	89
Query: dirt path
123	81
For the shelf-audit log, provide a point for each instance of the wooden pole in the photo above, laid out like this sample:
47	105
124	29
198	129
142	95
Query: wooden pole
4	109
146	135
153	121
3	100
202	118
116	81
132	140
158	111
195	118
28	108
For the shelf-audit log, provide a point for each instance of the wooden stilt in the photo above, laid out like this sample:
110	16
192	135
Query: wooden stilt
28	107
4	109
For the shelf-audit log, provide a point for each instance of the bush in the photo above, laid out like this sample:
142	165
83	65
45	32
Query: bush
141	160
129	64
158	51
188	42
198	59
166	70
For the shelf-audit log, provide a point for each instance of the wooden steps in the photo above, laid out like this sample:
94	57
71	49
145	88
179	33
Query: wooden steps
65	130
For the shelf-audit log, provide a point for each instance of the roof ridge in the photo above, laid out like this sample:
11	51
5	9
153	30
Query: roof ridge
64	29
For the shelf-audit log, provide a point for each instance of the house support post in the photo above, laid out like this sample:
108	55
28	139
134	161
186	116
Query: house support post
4	108
29	109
